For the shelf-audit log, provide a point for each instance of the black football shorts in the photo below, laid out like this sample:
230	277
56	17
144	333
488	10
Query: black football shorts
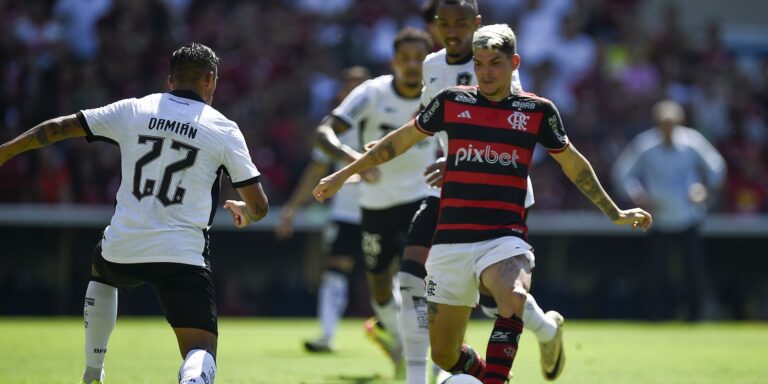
347	241
185	291
384	233
424	223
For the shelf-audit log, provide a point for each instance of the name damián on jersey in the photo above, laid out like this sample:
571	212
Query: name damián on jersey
173	149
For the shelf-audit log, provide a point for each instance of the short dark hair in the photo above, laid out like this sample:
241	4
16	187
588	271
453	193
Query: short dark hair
429	11
471	4
410	34
192	61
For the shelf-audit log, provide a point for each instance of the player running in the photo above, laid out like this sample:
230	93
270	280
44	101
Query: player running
389	199
481	233
174	149
456	21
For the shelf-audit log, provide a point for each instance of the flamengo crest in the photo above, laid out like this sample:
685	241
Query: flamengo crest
518	121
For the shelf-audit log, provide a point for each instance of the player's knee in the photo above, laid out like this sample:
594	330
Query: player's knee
511	302
445	358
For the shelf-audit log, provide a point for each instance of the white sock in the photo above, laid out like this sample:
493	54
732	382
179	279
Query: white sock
198	368
534	320
387	315
331	301
414	329
99	315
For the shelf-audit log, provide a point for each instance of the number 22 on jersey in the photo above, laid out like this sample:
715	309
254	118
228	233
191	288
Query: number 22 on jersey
155	151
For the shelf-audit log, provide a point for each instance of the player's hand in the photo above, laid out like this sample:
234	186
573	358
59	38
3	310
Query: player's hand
635	217
328	186
435	173
284	229
236	208
371	175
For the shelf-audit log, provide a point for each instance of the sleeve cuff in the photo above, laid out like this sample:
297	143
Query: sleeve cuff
568	144
418	126
247	182
343	119
88	133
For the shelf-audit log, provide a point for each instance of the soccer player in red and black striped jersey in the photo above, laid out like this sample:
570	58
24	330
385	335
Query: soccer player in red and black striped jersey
481	233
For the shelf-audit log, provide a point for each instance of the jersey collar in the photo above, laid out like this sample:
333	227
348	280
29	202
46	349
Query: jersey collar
514	93
187	94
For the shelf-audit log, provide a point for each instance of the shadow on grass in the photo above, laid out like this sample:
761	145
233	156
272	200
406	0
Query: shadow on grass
351	379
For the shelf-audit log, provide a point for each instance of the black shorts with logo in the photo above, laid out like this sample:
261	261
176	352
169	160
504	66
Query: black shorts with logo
185	291
384	232
424	223
347	241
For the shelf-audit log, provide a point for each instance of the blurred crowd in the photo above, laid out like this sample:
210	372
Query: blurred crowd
280	60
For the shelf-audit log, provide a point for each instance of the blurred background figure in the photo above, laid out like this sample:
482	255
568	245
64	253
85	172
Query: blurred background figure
675	173
343	235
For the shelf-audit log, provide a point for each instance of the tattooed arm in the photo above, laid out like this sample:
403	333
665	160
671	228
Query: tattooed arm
45	133
577	168
389	147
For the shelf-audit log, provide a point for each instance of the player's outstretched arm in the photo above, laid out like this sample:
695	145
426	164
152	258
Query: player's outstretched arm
45	133
389	147
253	207
580	172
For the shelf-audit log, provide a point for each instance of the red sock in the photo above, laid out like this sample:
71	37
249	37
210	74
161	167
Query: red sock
502	348
469	362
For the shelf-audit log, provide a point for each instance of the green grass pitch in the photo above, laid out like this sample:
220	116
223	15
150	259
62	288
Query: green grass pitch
143	350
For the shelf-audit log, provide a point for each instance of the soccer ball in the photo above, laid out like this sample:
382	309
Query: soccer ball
461	379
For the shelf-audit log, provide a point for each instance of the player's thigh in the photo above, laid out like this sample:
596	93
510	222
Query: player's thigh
421	230
504	262
188	299
383	236
416	253
507	274
447	326
504	267
114	274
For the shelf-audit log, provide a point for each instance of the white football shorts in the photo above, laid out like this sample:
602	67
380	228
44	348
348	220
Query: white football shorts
453	270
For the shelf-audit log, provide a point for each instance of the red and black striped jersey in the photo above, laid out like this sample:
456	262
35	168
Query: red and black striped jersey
490	146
